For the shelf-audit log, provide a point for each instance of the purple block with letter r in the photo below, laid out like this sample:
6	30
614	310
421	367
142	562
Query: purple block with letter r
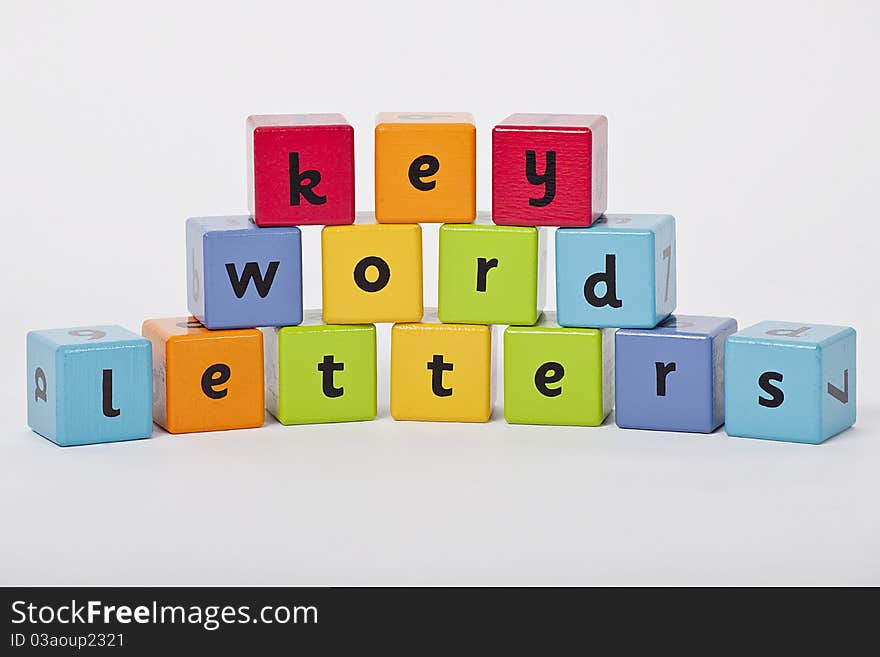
242	276
671	378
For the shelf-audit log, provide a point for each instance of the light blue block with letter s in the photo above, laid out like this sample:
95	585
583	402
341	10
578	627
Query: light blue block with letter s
619	272
91	384
790	381
243	276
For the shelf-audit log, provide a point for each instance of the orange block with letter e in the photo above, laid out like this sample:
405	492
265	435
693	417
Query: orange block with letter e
205	380
426	168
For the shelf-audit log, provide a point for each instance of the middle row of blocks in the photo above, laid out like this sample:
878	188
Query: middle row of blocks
618	272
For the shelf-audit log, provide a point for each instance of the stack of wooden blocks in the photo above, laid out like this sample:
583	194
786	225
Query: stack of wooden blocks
216	370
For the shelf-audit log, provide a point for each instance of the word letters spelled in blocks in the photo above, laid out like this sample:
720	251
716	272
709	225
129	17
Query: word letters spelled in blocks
426	168
620	272
371	273
671	378
491	274
300	169
790	381
241	276
320	372
205	380
549	169
559	376
89	385
441	372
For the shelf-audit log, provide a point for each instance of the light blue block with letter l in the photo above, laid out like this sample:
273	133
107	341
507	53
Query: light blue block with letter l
91	384
790	381
618	273
243	276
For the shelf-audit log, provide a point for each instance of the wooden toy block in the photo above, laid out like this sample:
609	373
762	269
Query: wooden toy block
789	381
89	384
491	274
371	273
300	169
320	372
671	378
549	169
558	376
241	276
441	372
620	272
205	380
426	168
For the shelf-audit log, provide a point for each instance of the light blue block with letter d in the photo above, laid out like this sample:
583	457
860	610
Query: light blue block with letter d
790	381
91	384
619	272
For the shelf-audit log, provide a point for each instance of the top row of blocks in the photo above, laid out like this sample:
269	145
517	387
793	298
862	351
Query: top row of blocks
547	169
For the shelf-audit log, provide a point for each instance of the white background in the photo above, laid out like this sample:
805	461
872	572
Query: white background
755	124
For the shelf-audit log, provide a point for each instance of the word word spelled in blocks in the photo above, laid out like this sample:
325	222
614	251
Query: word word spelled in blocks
441	372
491	274
371	273
426	168
242	276
620	272
558	376
318	372
205	380
300	169
89	385
549	169
790	381
671	378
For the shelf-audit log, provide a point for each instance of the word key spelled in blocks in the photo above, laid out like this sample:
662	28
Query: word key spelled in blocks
426	168
242	276
441	372
620	272
89	385
789	381
320	372
491	274
549	169
205	380
371	273
671	378
300	169
558	376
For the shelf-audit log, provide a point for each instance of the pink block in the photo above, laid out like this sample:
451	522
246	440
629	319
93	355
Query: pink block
549	169
300	169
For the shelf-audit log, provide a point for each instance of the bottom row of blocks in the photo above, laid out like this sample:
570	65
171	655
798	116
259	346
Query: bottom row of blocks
784	381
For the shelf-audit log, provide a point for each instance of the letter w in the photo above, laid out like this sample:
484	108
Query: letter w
251	271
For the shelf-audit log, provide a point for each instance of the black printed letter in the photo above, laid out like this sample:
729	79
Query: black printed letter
776	396
107	394
548	178
663	370
423	167
549	373
483	267
214	376
609	277
437	367
252	271
360	274
327	367
297	188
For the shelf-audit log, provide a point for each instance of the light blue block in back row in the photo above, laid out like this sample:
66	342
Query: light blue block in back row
243	276
618	273
90	384
790	381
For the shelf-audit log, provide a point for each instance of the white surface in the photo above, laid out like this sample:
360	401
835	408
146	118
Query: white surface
755	125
